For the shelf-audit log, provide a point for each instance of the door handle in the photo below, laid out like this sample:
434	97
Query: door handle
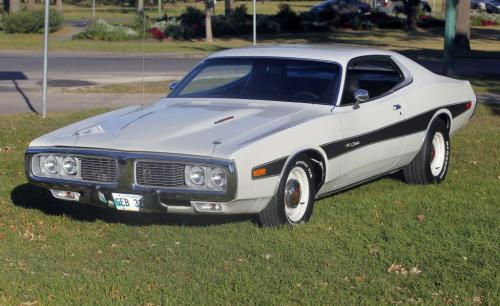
396	107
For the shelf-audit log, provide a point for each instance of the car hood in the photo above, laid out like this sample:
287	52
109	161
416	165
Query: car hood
182	126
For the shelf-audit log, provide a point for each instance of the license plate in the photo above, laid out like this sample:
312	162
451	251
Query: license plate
130	202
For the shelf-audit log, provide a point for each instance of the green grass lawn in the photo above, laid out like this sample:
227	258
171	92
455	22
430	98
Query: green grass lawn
379	244
425	43
110	12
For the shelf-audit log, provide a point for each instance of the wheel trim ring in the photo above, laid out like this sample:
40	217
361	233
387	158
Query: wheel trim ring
295	214
439	150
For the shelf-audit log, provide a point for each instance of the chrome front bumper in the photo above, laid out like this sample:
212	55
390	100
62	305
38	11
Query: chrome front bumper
156	199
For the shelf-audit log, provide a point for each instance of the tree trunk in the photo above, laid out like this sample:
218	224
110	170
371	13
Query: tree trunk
14	6
228	7
6	5
411	7
462	38
59	6
208	21
140	5
30	4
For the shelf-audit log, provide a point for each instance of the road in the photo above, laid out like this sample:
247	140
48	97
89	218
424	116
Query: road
108	67
95	67
21	75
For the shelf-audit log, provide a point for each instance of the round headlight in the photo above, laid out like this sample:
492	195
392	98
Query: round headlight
69	165
197	175
50	164
218	177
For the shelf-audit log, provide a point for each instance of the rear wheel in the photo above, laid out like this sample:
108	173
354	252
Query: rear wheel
293	202
431	163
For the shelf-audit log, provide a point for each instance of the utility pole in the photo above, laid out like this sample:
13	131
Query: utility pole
45	58
449	37
159	8
254	22
93	10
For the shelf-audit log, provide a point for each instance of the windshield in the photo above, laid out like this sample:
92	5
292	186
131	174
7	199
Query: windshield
263	79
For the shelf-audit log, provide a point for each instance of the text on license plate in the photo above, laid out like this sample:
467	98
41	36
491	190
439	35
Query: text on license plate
131	202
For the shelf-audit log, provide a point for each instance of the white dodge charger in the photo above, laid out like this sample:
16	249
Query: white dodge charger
263	131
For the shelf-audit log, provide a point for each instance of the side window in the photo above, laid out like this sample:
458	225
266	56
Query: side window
377	74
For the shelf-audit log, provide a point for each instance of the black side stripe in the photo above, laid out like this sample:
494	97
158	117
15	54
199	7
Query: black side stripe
406	127
334	149
273	168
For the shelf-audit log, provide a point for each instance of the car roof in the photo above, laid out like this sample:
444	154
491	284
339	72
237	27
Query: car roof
339	54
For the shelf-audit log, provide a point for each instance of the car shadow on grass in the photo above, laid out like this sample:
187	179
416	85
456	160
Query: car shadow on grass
33	197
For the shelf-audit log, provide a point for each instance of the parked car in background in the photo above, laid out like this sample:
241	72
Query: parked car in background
341	6
263	131
492	6
479	5
398	6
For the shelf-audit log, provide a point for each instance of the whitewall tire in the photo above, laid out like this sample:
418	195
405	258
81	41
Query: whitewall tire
294	200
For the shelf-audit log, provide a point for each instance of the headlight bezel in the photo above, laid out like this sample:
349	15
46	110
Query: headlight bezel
208	184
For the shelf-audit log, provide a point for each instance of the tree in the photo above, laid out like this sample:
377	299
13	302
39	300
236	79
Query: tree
30	4
462	36
14	6
411	9
208	21
140	6
449	37
228	7
59	6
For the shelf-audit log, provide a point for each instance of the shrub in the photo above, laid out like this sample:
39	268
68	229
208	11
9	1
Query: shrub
355	21
174	29
31	21
288	19
239	22
156	33
384	21
101	30
484	19
430	22
265	24
192	16
141	24
193	22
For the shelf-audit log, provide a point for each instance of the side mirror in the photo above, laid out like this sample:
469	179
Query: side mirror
361	95
173	85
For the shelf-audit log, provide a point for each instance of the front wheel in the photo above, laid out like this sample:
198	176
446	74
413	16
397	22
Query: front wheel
294	200
431	163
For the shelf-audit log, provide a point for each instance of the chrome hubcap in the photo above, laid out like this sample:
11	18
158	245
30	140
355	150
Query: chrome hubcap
438	153
292	193
296	195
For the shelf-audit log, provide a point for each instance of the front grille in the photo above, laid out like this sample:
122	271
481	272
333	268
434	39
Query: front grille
97	169
159	174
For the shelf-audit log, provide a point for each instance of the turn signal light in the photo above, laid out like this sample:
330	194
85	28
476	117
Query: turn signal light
66	195
259	172
207	206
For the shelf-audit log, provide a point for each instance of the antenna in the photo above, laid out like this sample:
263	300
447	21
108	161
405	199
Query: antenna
143	39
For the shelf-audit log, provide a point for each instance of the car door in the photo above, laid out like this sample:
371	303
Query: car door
370	145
